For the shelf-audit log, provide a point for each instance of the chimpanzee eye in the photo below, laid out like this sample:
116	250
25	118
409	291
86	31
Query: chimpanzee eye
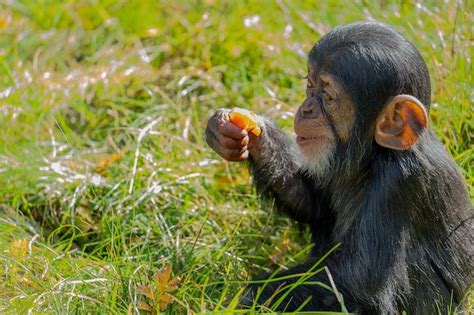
327	96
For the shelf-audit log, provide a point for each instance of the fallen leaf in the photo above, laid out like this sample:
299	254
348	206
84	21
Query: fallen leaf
163	277
165	300
146	291
160	298
164	286
18	249
102	166
144	306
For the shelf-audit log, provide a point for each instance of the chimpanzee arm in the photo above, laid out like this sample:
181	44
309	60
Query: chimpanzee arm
278	174
369	269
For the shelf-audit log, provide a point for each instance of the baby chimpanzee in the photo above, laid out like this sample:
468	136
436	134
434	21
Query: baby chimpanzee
368	173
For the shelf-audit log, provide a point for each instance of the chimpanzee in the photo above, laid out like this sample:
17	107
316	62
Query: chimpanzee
369	175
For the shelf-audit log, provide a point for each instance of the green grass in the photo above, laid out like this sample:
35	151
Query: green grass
105	177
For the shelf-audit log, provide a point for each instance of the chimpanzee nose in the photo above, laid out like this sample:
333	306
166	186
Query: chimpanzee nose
309	108
306	109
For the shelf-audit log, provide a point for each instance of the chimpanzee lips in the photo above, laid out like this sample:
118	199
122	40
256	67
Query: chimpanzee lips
303	140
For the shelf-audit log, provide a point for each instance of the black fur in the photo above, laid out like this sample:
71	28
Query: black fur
402	217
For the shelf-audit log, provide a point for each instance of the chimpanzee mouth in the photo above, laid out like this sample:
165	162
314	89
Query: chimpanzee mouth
303	140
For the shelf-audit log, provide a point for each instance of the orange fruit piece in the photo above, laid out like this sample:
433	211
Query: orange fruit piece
245	119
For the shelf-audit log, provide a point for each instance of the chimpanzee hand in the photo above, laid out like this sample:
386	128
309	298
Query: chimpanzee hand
228	140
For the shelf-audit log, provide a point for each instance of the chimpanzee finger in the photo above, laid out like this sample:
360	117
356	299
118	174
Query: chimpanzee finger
231	143
244	155
226	153
231	154
237	155
228	129
211	138
226	141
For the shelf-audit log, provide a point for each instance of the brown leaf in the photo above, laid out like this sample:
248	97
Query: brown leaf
146	291
164	285
18	249
28	281
162	278
165	300
103	165
172	285
144	306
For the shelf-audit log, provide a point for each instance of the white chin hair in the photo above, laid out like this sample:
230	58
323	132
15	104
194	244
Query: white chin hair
317	158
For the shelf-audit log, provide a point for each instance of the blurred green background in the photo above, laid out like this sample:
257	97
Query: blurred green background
110	200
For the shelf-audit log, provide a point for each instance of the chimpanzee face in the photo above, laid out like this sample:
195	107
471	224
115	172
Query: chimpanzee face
325	119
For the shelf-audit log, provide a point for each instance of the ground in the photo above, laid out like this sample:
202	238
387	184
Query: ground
110	199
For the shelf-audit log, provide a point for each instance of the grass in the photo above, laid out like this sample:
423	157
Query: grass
110	200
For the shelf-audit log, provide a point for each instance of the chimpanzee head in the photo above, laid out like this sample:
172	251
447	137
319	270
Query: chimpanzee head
368	88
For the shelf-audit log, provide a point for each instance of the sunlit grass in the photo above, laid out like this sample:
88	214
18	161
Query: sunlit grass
104	171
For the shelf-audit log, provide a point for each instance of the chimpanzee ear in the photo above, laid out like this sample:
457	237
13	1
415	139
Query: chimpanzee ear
401	123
